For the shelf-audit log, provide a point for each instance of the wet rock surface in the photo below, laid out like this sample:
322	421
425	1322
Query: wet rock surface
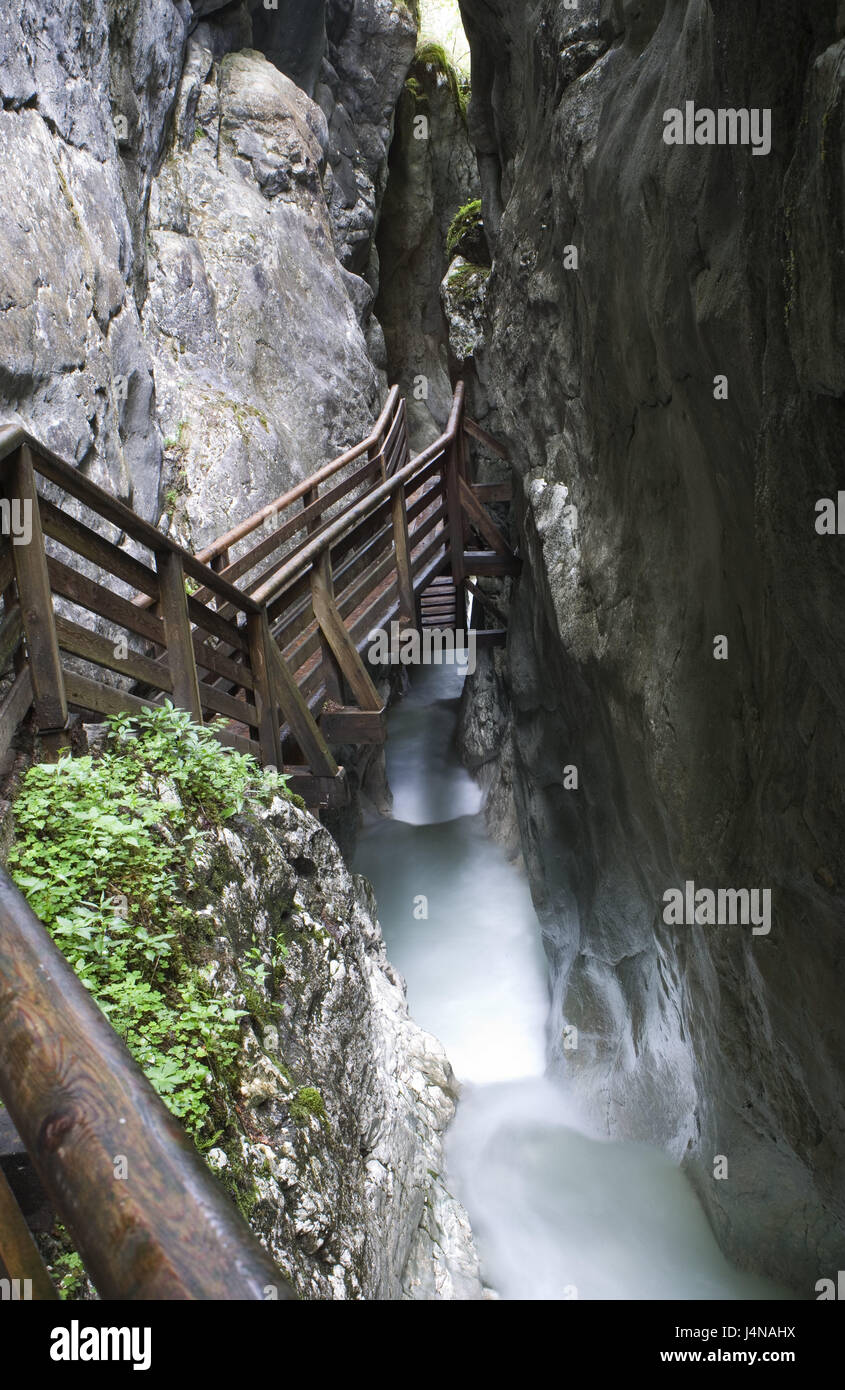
340	1099
655	517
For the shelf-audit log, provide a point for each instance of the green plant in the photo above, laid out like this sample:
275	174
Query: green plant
433	55
105	853
466	224
69	1275
466	283
308	1102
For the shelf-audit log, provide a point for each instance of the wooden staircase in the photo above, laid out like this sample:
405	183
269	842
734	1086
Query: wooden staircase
266	629
438	604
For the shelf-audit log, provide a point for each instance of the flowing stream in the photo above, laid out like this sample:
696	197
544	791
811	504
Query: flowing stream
557	1212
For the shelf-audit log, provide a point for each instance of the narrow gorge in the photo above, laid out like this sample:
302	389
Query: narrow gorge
546	1006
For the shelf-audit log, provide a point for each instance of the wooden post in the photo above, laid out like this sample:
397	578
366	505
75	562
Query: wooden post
453	512
340	640
402	548
258	630
332	675
19	1255
177	630
218	564
463	476
36	601
298	717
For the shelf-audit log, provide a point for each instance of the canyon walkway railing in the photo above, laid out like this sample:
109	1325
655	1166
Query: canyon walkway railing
262	631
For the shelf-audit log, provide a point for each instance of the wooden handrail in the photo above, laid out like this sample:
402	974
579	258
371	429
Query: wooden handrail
79	1102
300	562
252	523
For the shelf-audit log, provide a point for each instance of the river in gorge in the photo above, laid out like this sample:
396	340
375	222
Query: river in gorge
558	1212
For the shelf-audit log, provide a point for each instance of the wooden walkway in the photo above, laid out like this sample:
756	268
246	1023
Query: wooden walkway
264	628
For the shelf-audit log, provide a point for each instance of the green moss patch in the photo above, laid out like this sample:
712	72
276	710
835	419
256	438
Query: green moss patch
106	854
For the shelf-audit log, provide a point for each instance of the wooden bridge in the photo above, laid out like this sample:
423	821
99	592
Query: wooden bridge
264	629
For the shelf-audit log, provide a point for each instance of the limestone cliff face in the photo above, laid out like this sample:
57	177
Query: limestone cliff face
432	176
340	1099
183	238
188	201
261	364
693	519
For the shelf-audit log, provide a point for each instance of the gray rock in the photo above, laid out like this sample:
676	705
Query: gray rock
345	1185
694	518
262	369
432	176
370	47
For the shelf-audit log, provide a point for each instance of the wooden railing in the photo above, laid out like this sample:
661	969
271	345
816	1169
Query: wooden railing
264	628
148	1217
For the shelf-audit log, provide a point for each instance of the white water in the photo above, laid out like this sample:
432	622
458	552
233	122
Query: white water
557	1213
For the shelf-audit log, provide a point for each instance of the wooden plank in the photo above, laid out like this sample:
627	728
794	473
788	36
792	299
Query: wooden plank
438	542
14	709
7	568
332	624
239	742
489	637
11	635
292	593
420	532
88	694
341	726
429	499
267	710
209	620
328	792
493	492
366	584
177	629
332	673
402	548
217	663
97	599
73	534
475	430
453	514
480	519
19	1256
36	601
299	719
487	564
91	646
220	702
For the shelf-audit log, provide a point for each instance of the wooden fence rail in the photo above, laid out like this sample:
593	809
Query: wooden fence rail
263	631
87	1115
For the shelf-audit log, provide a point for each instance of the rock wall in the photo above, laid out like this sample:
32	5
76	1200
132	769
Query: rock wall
340	1100
432	175
172	205
187	275
261	364
657	516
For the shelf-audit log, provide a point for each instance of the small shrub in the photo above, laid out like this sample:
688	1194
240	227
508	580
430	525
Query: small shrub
105	853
